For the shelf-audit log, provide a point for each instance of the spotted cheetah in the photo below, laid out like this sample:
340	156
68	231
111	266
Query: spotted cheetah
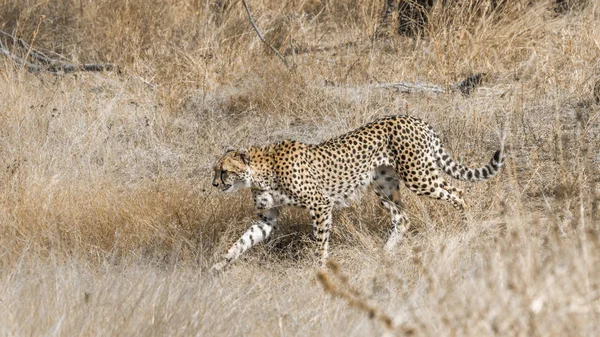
319	177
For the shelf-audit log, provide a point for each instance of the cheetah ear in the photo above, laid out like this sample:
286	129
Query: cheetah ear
243	153
228	148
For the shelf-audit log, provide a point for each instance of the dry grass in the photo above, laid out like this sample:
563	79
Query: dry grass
109	223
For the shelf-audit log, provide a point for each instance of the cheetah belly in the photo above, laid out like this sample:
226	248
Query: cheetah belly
352	191
271	199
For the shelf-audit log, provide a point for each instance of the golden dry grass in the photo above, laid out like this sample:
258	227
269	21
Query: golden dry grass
109	223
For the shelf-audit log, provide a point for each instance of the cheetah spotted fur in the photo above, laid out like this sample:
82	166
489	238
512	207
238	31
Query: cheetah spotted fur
318	177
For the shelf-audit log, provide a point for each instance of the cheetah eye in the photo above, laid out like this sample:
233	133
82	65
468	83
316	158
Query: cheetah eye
223	175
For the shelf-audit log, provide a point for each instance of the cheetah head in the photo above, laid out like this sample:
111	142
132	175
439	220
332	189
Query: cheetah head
232	171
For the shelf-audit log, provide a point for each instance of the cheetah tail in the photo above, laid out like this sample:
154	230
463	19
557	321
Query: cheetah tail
461	172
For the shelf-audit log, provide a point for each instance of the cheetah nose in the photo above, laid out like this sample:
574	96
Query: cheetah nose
215	184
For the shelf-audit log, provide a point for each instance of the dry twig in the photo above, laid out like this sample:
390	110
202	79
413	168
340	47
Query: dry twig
42	61
354	298
389	9
260	36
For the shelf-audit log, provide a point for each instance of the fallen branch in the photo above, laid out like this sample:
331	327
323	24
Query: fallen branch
260	36
43	61
465	86
410	87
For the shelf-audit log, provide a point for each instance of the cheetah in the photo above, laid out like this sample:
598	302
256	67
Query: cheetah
382	153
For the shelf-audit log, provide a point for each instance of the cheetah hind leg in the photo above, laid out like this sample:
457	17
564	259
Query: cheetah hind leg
386	188
438	188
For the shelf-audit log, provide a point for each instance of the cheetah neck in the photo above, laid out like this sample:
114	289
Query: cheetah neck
261	166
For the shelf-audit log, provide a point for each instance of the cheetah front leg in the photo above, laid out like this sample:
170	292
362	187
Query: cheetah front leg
259	231
321	221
